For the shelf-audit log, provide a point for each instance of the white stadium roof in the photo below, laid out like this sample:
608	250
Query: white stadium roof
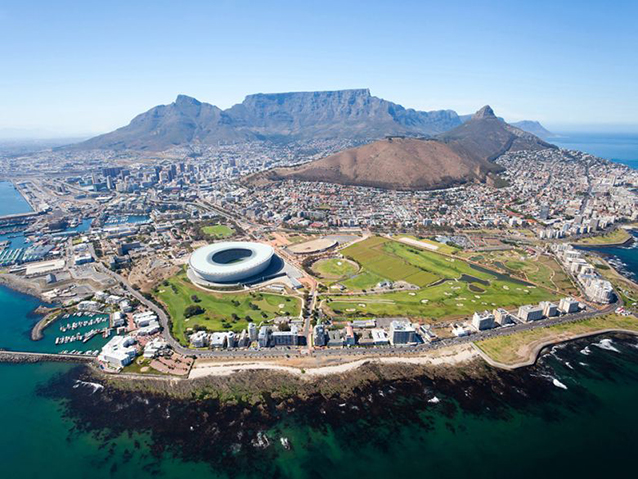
230	261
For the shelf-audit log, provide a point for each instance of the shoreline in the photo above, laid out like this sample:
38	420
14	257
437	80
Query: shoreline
21	286
536	351
627	242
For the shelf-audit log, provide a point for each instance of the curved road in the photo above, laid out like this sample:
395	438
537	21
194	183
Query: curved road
385	350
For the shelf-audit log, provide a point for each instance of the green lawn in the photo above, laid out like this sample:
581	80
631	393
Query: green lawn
362	280
464	290
390	260
619	235
446	300
516	347
218	231
219	307
334	268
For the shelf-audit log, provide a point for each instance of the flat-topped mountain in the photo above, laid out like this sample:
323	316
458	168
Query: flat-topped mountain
342	114
461	155
347	114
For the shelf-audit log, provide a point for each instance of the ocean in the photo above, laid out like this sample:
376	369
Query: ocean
11	201
571	415
620	147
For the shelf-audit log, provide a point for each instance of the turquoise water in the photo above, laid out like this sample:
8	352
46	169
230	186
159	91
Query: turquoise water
11	201
17	321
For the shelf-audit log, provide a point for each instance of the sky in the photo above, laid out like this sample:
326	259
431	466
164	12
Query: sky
74	68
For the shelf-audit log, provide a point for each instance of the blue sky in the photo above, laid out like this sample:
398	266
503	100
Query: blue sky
85	67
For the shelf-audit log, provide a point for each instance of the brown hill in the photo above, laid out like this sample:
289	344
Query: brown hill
462	155
398	164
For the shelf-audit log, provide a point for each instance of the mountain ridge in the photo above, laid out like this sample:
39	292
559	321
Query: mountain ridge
339	114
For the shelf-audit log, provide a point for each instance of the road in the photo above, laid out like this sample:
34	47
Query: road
356	351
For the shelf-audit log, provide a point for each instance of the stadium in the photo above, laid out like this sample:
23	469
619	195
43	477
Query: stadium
230	262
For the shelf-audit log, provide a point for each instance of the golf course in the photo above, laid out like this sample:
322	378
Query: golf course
449	287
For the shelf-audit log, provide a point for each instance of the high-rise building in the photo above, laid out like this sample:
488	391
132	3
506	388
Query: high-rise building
402	332
483	320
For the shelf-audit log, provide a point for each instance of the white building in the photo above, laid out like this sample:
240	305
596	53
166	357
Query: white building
458	330
119	351
218	340
483	320
379	337
252	332
153	327
549	309
502	316
285	338
530	313
599	290
199	339
154	347
568	305
402	332
118	319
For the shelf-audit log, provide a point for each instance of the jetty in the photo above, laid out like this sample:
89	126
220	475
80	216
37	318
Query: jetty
29	357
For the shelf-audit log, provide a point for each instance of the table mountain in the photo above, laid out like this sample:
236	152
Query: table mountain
347	114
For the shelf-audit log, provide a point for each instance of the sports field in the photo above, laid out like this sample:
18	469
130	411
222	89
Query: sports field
218	231
616	236
387	259
177	294
334	268
449	287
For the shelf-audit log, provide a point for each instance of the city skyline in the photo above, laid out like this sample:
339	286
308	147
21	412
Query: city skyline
101	66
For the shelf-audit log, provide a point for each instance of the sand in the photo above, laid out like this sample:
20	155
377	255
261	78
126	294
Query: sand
447	356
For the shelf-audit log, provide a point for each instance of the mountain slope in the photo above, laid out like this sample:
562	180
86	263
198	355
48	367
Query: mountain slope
461	155
347	114
397	163
533	127
487	137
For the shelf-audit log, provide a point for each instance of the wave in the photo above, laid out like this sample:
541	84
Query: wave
558	384
434	400
94	386
586	351
607	345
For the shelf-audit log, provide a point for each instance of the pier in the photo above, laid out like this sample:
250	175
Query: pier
27	357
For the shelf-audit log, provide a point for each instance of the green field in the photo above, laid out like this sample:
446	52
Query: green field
389	260
616	236
218	231
177	294
517	347
449	287
334	268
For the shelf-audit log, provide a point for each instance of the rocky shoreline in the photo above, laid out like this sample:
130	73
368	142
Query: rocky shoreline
232	422
21	286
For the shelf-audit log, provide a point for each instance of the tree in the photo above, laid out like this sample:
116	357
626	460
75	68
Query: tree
193	310
195	298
